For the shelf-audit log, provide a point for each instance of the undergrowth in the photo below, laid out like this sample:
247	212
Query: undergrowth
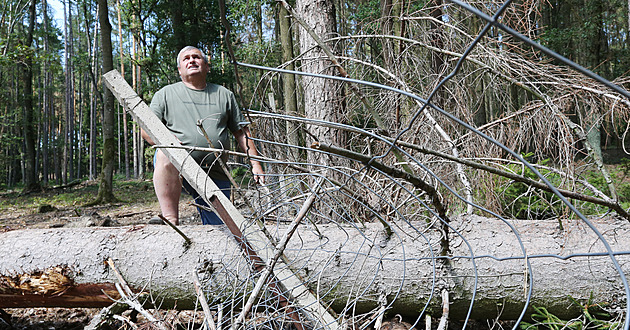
592	316
520	201
127	191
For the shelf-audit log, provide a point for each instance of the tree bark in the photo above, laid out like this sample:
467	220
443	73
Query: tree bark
289	90
322	98
343	264
105	189
46	98
69	146
125	132
31	180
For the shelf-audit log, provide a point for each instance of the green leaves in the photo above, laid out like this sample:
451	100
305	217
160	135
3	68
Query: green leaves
593	316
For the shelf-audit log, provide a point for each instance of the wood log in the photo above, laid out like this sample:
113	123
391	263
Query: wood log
345	266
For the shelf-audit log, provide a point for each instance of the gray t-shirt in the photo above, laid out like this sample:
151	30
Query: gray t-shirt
180	108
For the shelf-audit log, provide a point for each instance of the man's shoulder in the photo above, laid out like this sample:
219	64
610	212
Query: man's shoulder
172	87
214	88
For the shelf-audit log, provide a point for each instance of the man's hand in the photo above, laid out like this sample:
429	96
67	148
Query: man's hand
259	174
247	145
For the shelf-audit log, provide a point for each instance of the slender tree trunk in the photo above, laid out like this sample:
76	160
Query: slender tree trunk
387	27
66	121
289	90
80	95
105	189
125	133
70	93
31	180
45	99
134	82
259	22
139	135
92	156
68	146
94	93
178	24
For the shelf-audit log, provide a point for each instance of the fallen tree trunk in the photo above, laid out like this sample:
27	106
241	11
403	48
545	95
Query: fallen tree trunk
348	267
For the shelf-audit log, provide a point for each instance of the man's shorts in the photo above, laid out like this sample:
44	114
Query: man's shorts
207	217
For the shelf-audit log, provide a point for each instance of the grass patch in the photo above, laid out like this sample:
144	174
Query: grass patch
127	191
593	316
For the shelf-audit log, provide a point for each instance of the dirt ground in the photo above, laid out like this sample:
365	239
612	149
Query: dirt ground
65	207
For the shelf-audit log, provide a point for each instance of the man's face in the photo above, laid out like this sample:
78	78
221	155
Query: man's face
191	63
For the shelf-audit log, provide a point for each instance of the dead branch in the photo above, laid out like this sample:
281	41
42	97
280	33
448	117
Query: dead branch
264	277
129	298
445	309
204	303
370	162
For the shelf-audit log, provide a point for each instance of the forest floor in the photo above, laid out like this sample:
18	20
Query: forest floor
65	207
136	205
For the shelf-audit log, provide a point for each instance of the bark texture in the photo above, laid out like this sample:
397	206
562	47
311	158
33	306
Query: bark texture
322	98
105	189
345	265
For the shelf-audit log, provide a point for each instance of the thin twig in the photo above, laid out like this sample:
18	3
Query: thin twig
187	241
445	310
204	302
380	312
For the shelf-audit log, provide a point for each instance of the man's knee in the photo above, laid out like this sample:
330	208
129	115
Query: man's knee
162	162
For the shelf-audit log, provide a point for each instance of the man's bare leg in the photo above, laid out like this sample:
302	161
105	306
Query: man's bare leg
168	187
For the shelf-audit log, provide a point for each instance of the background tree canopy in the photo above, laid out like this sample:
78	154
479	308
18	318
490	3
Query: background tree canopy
52	107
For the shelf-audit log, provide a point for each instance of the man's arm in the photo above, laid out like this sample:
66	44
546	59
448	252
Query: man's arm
146	137
247	145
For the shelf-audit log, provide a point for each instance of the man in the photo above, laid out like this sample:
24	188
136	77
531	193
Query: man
180	106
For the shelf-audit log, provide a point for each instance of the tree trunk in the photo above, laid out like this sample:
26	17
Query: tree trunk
31	180
105	189
347	259
321	96
289	90
46	99
177	19
68	146
125	132
134	81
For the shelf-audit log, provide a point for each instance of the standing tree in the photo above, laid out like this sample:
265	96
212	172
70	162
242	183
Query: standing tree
288	80
31	181
321	96
105	189
68	145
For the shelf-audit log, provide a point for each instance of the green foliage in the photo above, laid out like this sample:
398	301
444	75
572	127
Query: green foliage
522	202
366	12
621	179
593	316
241	175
